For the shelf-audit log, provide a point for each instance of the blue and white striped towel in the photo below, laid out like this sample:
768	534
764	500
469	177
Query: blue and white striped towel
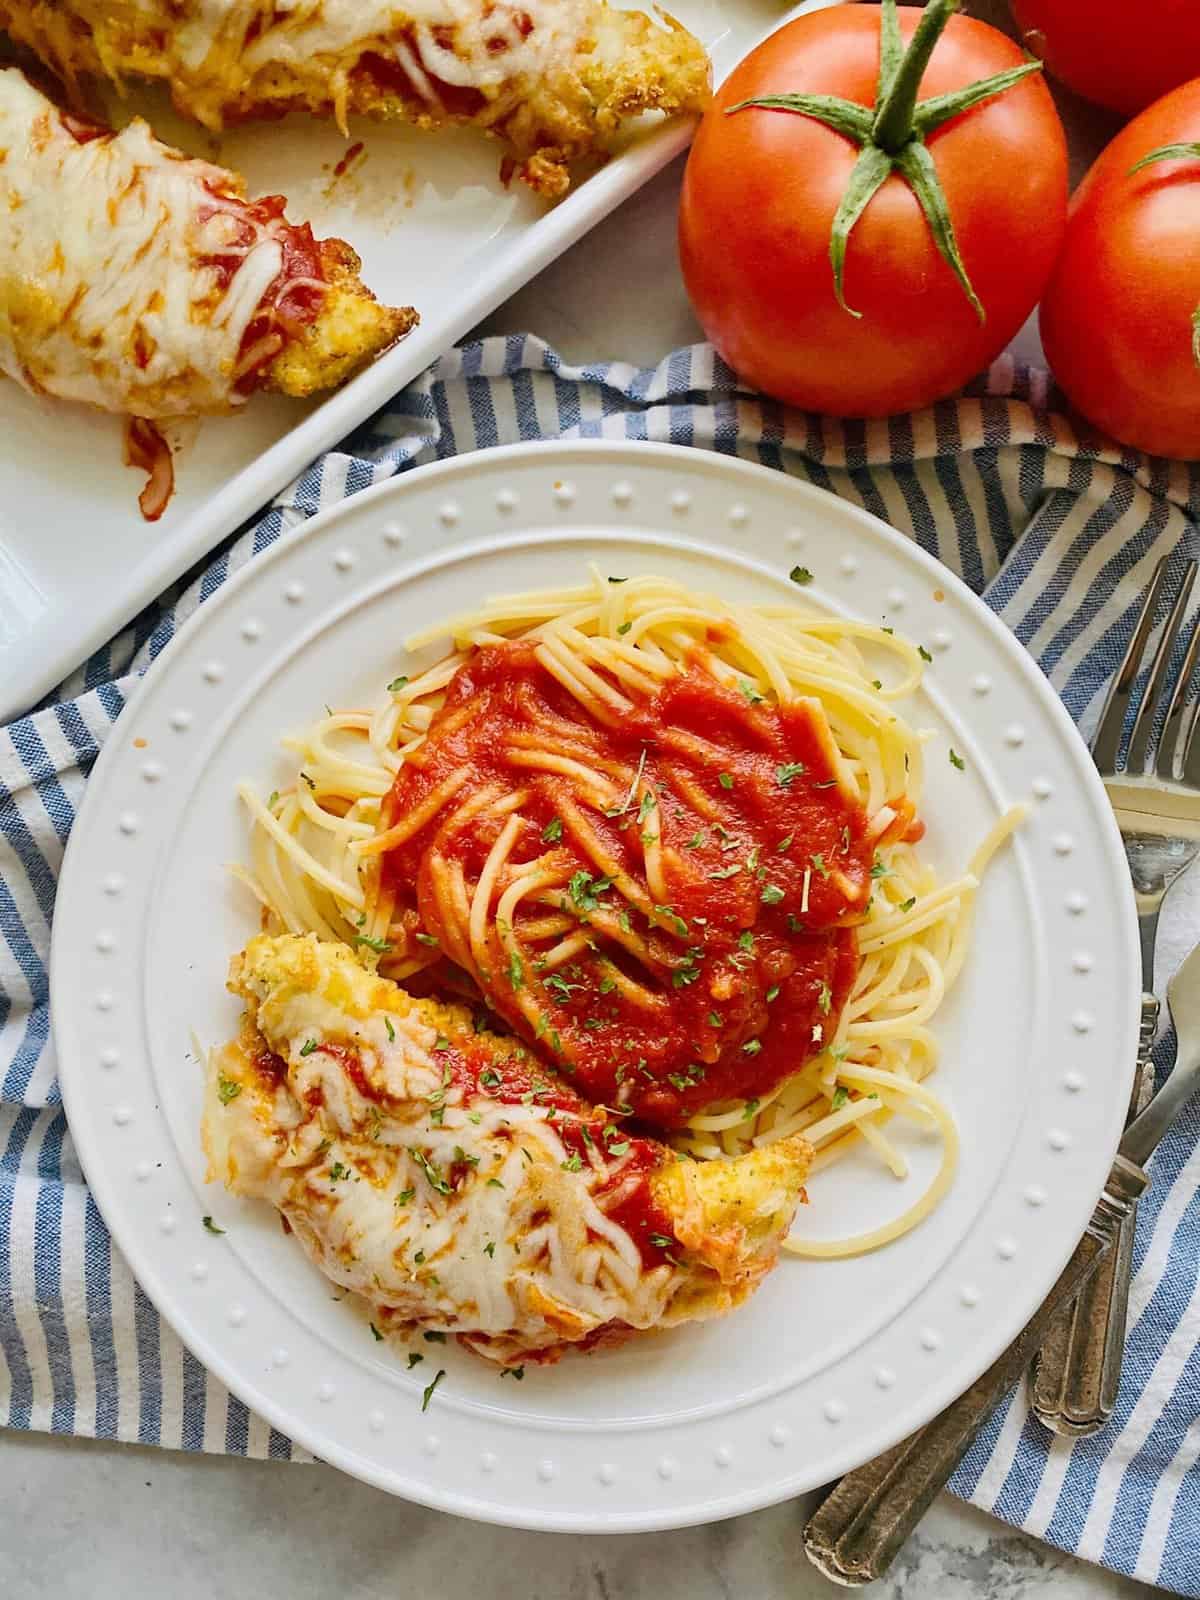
1060	541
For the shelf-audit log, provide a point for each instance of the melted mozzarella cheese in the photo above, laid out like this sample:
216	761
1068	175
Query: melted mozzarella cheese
230	41
104	296
440	1204
553	78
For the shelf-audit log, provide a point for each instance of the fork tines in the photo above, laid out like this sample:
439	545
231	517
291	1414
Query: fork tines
1170	700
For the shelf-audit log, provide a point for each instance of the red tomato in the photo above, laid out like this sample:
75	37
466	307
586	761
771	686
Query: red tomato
760	193
1115	52
1119	318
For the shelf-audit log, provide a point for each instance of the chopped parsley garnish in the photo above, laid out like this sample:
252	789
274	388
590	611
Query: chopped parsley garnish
678	925
752	1047
308	780
663	1241
746	940
818	862
840	1096
516	971
584	889
647	805
727	872
427	1394
956	760
391	1032
771	895
618	580
696	840
620	1148
907	905
227	1089
715	1019
380	946
307	1048
436	1180
688	973
273	799
338	1171
441	1042
785	843
751	693
210	1226
624	628
376	1332
489	1248
607	985
513	1372
405	1195
772	993
825	999
427	938
494	1183
419	1258
434	1336
725	779
923	653
552	832
413	1357
800	575
573	1163
879	870
751	1109
789	770
397	684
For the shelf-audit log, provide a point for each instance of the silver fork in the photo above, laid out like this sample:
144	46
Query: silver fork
870	1513
1077	1370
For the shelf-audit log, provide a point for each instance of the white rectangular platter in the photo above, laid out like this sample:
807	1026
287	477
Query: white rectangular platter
435	228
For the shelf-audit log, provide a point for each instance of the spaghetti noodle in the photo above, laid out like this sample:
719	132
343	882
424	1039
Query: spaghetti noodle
672	842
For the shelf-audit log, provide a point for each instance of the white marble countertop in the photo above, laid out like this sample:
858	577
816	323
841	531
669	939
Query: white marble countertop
81	1520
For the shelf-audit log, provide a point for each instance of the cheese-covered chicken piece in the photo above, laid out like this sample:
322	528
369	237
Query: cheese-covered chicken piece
144	282
447	1177
554	79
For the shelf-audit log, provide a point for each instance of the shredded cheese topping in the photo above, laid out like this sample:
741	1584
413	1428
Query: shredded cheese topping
442	1204
104	294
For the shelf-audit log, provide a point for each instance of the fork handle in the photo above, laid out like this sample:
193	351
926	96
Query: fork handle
1077	1371
856	1534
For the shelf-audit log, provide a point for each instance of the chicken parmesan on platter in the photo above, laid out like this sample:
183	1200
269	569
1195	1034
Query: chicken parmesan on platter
143	282
554	80
602	929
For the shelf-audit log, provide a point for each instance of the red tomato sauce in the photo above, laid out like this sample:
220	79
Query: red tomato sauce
766	863
387	74
294	296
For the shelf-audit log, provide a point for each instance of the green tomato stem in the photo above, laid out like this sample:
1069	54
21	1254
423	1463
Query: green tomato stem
894	114
1166	152
891	138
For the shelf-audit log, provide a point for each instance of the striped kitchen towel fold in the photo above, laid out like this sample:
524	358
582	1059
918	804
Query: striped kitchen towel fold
1059	539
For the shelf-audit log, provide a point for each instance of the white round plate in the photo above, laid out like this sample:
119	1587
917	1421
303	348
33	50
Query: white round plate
831	1362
